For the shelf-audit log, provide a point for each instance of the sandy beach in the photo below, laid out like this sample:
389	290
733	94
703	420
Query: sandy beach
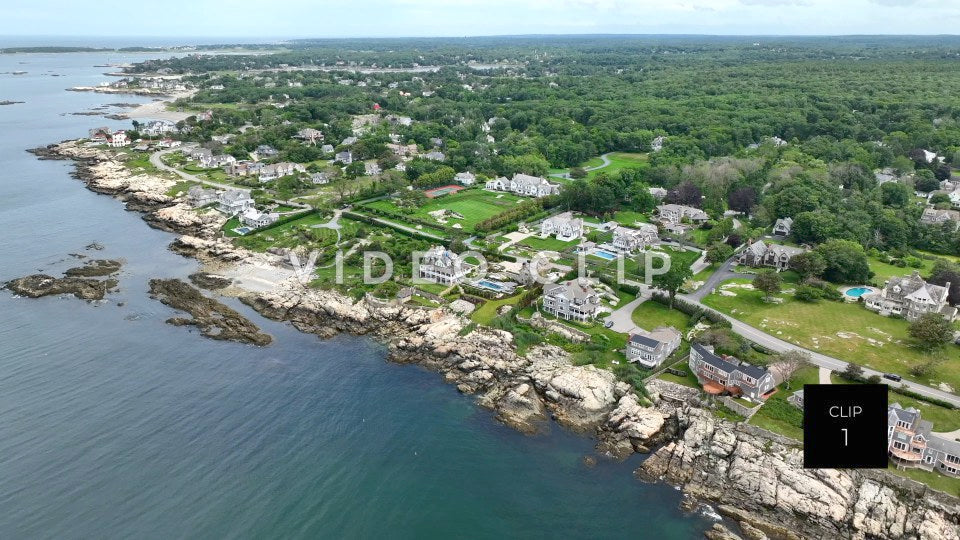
157	110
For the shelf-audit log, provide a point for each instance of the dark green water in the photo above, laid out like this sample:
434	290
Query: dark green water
116	425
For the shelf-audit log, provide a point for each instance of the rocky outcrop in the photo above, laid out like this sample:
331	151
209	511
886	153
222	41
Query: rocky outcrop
206	280
39	285
95	268
214	319
757	473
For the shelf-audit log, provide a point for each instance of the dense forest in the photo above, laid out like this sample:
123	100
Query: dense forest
771	127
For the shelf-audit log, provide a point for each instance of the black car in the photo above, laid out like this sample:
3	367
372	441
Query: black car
892	377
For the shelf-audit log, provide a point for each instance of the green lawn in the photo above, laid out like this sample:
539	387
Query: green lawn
298	232
547	244
180	187
488	311
688	380
620	160
777	414
628	218
935	480
883	271
651	314
844	330
475	205
943	419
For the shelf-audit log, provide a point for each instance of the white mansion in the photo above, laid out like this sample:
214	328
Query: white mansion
629	240
911	297
441	265
564	226
524	184
571	300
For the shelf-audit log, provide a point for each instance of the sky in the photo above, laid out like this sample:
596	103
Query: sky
284	19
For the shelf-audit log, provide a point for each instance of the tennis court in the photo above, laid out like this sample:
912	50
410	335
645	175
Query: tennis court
441	191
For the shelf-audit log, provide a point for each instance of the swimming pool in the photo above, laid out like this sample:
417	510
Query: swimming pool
604	254
242	230
857	292
490	285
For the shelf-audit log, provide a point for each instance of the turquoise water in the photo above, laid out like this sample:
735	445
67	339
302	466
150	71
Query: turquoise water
114	424
857	292
605	254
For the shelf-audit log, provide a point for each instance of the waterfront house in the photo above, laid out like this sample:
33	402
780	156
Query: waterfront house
564	226
345	157
117	139
628	240
573	300
911	442
253	218
650	349
198	196
234	201
782	227
720	375
156	128
98	134
910	297
169	143
775	256
466	178
441	265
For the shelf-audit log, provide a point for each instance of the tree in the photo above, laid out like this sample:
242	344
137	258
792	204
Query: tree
852	372
769	282
807	293
939	198
947	272
787	363
354	169
895	194
673	279
686	193
578	172
926	181
742	200
931	331
808	264
846	262
719	252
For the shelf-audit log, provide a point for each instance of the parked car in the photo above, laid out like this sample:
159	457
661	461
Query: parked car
608	324
892	377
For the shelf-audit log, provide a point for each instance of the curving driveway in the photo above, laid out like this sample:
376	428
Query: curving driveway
158	163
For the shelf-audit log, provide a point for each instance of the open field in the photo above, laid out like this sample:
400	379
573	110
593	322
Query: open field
933	479
846	331
620	160
474	205
651	314
777	414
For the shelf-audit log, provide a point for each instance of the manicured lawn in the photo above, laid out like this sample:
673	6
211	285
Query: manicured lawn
883	271
943	419
933	479
777	414
547	244
488	311
688	380
842	330
299	232
620	160
635	265
475	205
180	187
628	218
651	314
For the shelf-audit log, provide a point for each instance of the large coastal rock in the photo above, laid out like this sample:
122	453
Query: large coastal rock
39	285
214	319
761	474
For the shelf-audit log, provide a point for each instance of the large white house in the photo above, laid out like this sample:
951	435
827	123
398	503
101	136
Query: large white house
441	265
571	300
524	184
775	256
466	178
673	214
234	201
198	196
251	217
564	226
277	170
650	349
629	240
910	297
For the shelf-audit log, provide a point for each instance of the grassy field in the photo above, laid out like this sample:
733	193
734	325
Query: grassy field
777	414
688	380
294	233
620	160
475	205
845	331
488	311
628	218
883	271
935	480
651	314
548	244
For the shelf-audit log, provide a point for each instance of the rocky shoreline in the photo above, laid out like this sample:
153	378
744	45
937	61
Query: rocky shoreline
755	477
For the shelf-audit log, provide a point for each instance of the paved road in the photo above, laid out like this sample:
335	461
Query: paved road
722	274
158	163
622	317
606	163
776	344
411	230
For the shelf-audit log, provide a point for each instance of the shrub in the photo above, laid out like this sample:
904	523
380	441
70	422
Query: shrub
807	293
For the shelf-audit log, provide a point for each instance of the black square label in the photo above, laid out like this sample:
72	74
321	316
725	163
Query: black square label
845	426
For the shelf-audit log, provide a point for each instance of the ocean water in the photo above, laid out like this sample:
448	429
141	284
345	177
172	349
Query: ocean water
114	424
